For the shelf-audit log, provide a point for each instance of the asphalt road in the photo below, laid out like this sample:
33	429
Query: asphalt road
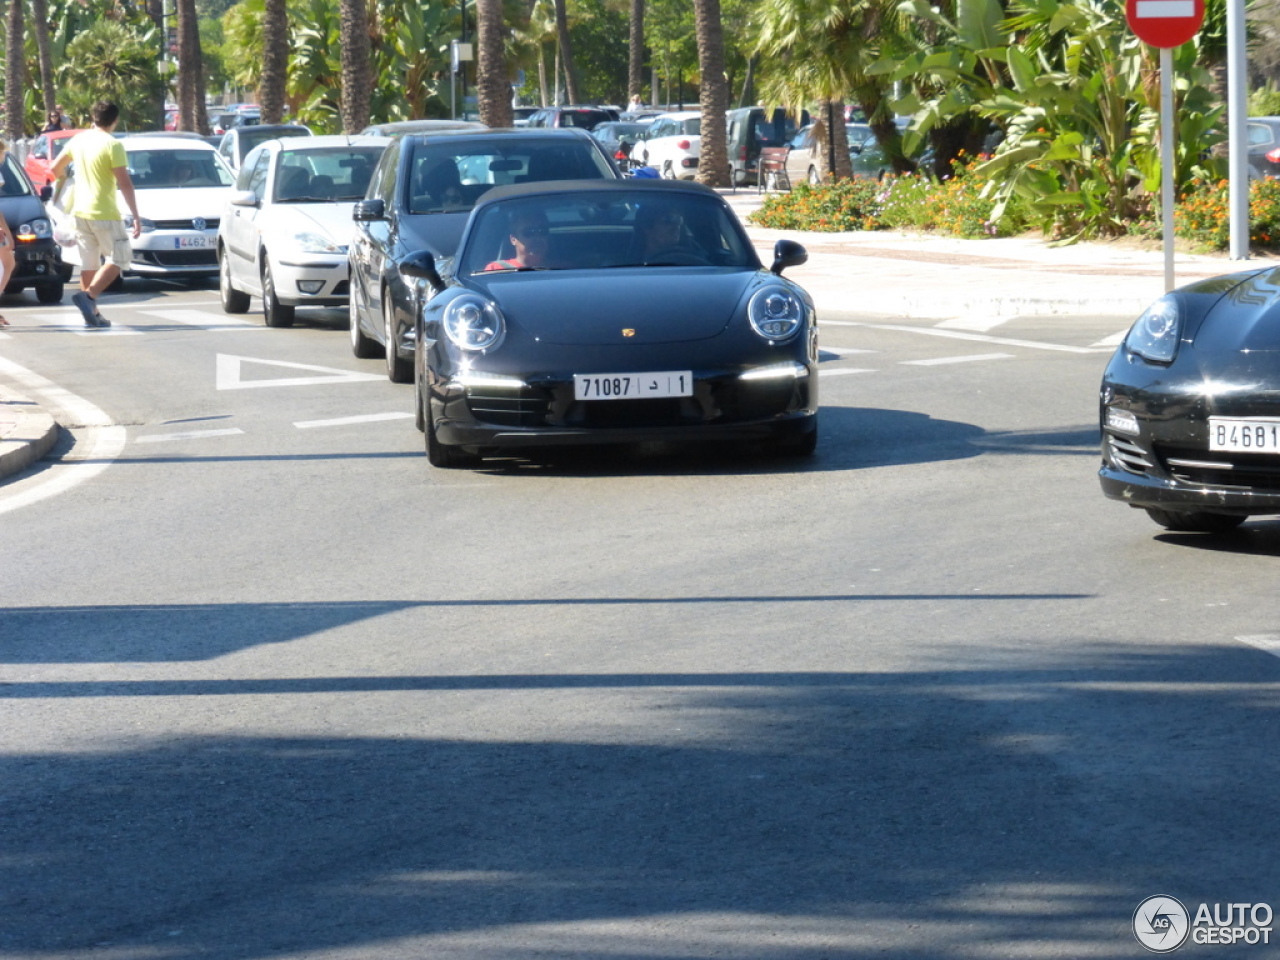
269	685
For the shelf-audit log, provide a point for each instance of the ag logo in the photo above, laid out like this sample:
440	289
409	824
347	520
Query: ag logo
1161	924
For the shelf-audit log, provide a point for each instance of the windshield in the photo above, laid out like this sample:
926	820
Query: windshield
324	175
252	136
599	229
177	168
450	177
12	183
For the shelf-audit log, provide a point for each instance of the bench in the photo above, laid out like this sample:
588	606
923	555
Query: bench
773	169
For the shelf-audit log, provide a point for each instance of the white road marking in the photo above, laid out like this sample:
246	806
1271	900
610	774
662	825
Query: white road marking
115	330
844	351
825	372
228	375
103	440
188	435
960	335
344	421
1269	642
199	318
979	324
939	361
1112	341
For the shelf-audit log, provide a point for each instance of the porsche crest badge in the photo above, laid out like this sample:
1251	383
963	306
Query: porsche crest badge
628	331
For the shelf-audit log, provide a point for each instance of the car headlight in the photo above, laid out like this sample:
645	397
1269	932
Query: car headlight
473	323
147	225
308	241
776	313
32	230
1154	335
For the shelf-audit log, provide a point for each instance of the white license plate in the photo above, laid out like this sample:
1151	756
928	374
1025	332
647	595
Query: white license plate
632	386
200	243
1245	434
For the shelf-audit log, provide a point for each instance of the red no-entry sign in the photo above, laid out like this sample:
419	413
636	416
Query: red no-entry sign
1164	23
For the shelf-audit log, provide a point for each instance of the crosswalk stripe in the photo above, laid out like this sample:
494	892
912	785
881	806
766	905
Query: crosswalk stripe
841	371
939	361
344	421
978	324
200	318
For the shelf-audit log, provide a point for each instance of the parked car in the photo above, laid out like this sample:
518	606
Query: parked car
38	259
237	115
520	115
750	130
419	199
672	145
398	128
618	135
286	226
238	141
1190	406
699	342
44	150
1264	147
585	118
181	185
803	166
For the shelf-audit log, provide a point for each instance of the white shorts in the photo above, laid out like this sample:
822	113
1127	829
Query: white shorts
96	239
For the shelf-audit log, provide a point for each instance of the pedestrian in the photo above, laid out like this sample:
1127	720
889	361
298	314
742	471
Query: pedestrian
100	232
635	105
52	122
7	256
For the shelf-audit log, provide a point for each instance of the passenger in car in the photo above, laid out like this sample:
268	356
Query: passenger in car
530	237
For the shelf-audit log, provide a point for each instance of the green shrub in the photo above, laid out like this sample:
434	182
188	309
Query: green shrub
828	208
1202	218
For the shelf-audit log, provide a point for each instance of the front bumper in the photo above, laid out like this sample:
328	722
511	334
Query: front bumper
180	253
36	263
312	279
544	412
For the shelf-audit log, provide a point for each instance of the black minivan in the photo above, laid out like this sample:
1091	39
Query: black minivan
38	257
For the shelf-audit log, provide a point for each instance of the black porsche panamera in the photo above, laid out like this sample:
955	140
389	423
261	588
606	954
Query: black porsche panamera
649	317
1190	406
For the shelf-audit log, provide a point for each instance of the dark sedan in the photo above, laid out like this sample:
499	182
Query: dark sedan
1264	147
1190	406
419	198
38	259
589	312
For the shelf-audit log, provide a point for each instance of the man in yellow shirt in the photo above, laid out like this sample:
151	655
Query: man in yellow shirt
101	170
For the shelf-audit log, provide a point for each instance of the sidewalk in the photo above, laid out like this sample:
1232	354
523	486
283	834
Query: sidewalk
887	274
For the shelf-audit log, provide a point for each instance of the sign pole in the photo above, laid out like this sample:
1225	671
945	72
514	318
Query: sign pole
1166	161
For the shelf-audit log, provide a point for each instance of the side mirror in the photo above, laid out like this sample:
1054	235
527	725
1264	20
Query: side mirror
244	198
421	265
788	253
366	210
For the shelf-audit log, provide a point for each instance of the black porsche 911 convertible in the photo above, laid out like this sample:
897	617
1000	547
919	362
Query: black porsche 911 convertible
585	312
1190	406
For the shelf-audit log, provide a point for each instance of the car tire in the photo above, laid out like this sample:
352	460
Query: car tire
438	454
399	370
233	300
49	292
275	313
1194	521
363	347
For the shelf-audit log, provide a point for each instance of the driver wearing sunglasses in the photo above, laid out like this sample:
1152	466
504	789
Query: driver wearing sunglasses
531	239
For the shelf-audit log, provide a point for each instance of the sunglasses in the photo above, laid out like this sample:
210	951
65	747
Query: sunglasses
529	232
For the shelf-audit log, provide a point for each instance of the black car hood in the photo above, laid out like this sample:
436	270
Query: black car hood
660	304
437	232
19	210
1246	320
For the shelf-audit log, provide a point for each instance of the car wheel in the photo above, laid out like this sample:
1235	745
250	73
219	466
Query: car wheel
1194	521
233	300
438	454
366	348
274	312
815	177
399	370
49	292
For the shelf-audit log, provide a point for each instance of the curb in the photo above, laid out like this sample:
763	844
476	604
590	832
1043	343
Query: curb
27	433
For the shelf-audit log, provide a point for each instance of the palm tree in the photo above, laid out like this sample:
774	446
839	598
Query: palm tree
40	27
493	85
112	61
635	62
713	95
15	80
275	59
356	79
191	108
566	52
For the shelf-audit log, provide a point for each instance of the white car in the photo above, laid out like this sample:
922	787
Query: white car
181	185
284	233
672	145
